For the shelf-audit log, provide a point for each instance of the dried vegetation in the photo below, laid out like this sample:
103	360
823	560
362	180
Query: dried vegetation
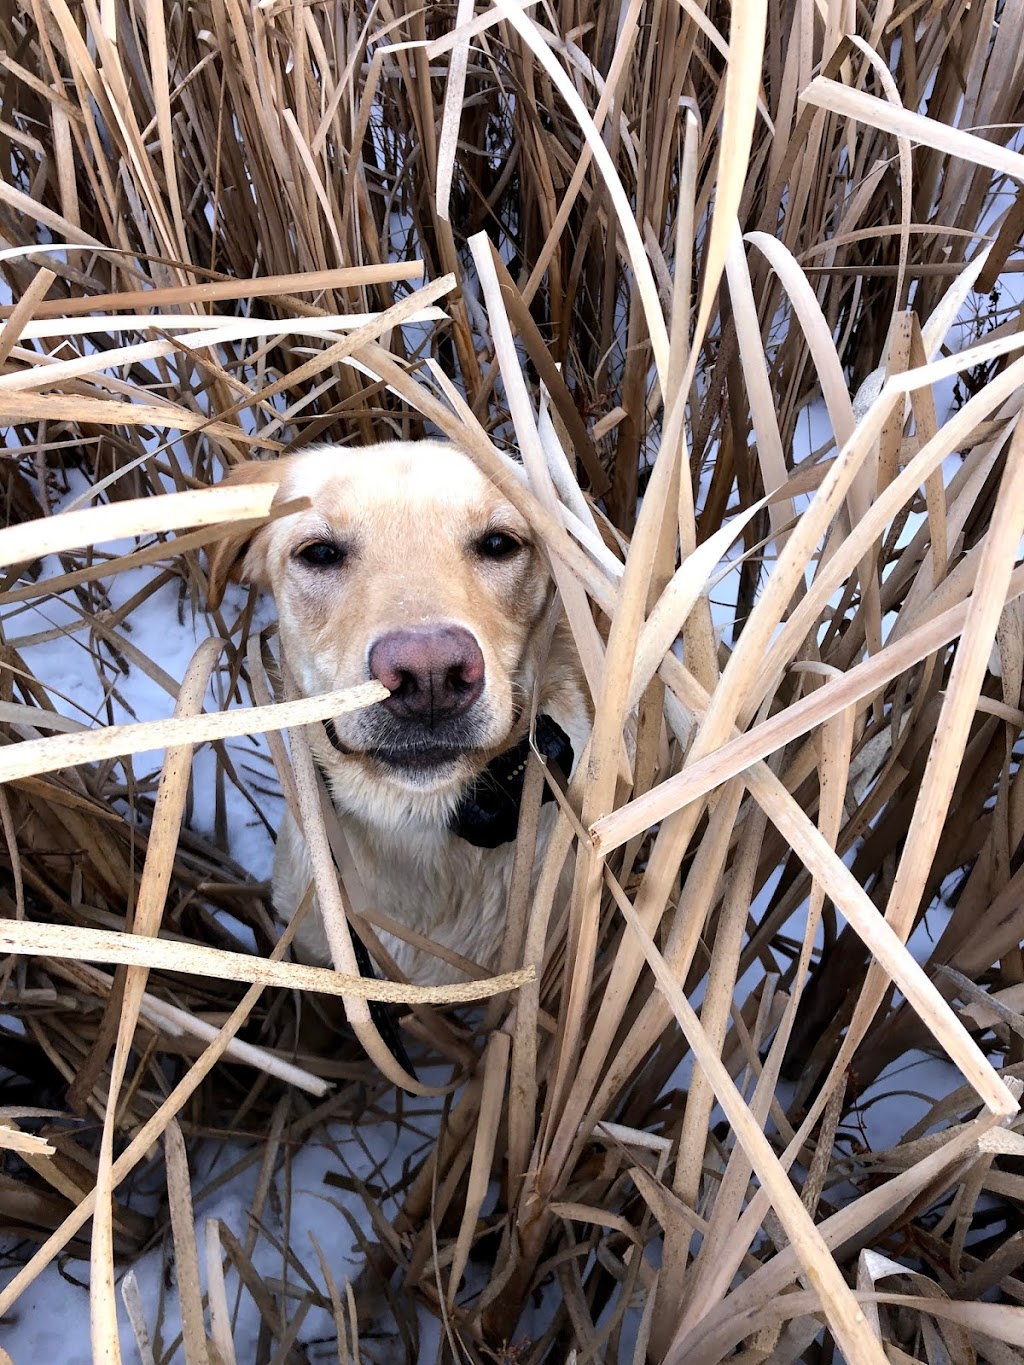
650	249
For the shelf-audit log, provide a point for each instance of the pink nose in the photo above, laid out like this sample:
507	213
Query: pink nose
432	672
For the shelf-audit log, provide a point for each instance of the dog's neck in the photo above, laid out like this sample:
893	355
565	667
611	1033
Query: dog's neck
487	814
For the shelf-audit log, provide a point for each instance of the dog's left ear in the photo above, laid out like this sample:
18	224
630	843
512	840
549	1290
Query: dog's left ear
226	556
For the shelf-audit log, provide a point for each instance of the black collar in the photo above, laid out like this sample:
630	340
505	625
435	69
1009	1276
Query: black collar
488	814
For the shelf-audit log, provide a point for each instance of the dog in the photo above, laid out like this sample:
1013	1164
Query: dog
410	566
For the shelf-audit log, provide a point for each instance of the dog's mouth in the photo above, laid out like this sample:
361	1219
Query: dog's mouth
410	754
417	757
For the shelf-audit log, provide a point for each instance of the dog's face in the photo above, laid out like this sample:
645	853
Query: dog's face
411	567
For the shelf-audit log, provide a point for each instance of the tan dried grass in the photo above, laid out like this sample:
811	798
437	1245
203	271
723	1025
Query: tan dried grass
285	223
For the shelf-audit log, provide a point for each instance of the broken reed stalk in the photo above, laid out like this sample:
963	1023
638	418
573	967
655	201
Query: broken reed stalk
704	229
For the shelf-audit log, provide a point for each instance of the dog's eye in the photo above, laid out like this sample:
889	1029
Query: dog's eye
321	555
498	545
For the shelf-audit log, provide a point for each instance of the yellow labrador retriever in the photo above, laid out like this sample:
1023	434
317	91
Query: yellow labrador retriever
411	567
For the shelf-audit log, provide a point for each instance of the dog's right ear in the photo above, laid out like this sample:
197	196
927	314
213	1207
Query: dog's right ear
225	556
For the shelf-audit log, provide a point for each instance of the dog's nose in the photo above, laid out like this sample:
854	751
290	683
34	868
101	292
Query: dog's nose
432	672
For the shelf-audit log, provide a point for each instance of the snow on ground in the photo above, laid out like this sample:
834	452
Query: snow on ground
50	1321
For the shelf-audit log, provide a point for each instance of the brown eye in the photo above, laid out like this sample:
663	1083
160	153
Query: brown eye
321	555
498	545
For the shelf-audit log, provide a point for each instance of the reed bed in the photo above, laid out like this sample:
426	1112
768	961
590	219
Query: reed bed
738	284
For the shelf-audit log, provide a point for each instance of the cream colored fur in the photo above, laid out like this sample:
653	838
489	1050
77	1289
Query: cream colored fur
410	516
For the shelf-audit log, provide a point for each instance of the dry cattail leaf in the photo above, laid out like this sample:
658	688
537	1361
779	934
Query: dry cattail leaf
209	506
84	746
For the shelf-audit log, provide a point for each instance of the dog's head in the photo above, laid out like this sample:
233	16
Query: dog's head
411	567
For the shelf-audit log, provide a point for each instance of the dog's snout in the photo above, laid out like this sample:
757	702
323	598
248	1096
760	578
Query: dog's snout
432	672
